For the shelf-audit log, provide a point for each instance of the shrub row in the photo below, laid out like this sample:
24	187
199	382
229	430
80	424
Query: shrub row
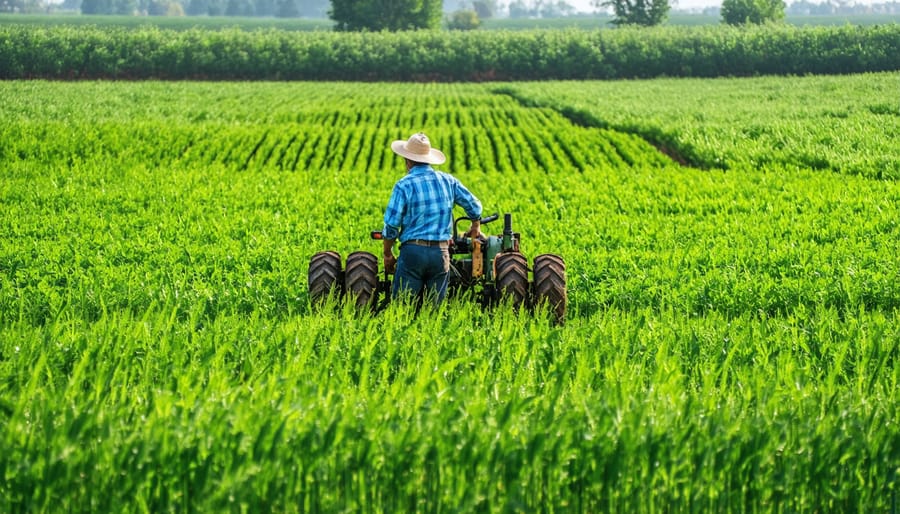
64	52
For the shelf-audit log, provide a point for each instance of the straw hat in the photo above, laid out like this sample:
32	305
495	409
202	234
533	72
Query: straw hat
418	148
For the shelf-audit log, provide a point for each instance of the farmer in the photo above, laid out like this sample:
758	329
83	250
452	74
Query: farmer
420	214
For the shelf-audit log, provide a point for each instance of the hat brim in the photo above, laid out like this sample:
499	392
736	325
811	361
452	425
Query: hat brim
432	157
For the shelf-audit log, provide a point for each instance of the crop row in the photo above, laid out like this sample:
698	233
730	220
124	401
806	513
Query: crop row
648	232
101	161
731	344
844	124
127	235
501	137
60	52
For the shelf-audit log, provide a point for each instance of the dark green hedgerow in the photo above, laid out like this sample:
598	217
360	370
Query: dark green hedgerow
62	52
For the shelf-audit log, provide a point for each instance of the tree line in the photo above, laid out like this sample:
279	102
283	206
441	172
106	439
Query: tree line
417	14
64	52
264	8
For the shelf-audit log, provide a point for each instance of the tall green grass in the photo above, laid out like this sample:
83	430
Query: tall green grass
457	410
731	345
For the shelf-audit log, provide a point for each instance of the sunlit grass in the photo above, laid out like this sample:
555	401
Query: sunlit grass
731	343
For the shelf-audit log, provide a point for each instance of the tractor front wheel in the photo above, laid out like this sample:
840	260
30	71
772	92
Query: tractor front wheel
512	278
324	277
361	279
550	284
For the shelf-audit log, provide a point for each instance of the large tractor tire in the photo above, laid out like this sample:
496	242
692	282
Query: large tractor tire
512	278
361	279
550	284
324	277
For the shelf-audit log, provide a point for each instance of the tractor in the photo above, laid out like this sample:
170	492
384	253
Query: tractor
493	270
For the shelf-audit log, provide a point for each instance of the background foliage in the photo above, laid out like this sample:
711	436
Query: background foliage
738	12
638	12
393	15
60	52
322	23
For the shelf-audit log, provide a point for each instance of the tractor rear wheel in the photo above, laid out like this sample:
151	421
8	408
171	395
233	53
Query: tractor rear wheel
512	278
324	273
550	284
361	279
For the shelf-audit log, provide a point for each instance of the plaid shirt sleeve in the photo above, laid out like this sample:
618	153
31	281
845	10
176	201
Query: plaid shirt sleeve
465	199
394	213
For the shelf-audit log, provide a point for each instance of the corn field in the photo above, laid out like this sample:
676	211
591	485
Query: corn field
731	342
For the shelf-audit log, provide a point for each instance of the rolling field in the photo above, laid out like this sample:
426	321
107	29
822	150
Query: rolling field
731	342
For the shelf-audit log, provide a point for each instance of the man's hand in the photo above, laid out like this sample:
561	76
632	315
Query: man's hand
390	263
475	230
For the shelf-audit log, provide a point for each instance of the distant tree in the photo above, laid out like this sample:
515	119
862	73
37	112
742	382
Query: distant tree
157	7
125	7
164	8
558	9
464	19
197	8
519	9
22	6
239	8
96	7
741	12
264	8
637	12
216	7
485	9
804	7
286	9
385	14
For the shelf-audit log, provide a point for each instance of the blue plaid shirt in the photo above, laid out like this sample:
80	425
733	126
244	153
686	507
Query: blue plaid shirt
421	205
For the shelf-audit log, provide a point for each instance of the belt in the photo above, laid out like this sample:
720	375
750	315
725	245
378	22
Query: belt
425	242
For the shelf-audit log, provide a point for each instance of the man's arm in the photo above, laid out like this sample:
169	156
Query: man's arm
393	217
468	201
475	229
390	262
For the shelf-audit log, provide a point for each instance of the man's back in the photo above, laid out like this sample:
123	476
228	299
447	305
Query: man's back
422	204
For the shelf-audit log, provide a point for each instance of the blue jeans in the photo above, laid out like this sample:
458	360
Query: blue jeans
422	271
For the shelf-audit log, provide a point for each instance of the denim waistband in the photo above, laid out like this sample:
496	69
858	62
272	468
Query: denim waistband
424	242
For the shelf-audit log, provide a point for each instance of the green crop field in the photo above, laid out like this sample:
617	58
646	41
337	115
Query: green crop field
731	343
